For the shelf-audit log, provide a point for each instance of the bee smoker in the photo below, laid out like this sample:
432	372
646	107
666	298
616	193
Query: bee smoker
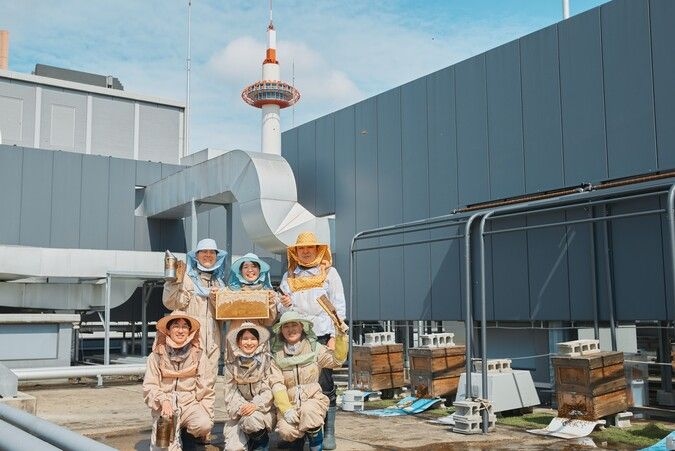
169	266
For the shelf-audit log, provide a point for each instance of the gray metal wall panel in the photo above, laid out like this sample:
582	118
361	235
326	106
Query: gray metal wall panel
629	101
365	123
661	13
147	172
510	284
112	127
547	261
325	166
36	197
446	296
121	202
22	95
289	149
541	110
580	266
472	137
345	194
10	193
158	138
94	202
505	124
307	166
172	236
168	169
390	199
637	257
582	99
415	175
66	190
53	100
142	233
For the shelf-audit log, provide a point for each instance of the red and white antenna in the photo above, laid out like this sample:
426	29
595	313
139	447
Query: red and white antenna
270	94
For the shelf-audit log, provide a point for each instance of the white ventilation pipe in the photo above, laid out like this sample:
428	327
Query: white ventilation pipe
66	372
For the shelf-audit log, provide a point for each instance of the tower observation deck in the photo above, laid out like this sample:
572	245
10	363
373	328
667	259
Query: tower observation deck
270	94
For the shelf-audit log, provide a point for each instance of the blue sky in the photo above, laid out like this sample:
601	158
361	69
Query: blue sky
341	51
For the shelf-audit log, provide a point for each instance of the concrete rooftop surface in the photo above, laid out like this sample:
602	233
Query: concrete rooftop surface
116	415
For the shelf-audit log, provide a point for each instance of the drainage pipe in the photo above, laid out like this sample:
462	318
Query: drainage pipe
11	437
64	372
468	322
58	436
609	278
483	319
671	229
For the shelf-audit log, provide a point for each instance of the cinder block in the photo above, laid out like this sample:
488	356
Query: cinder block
622	419
472	424
438	340
578	347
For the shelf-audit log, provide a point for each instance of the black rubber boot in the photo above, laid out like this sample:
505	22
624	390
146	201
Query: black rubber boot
329	429
315	439
259	441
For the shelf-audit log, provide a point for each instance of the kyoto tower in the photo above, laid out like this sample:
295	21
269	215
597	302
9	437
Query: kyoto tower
271	95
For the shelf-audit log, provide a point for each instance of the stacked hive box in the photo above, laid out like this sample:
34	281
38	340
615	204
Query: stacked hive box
590	386
378	366
435	369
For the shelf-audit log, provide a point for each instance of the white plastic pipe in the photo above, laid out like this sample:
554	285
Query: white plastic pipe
54	434
31	374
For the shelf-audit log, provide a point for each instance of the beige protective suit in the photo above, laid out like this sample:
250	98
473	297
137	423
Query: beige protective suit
247	381
181	295
295	378
184	379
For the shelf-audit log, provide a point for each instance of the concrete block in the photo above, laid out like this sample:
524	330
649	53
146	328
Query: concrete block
472	424
622	419
380	338
493	365
22	401
438	340
578	347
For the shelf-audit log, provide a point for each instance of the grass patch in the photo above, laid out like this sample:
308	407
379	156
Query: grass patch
636	437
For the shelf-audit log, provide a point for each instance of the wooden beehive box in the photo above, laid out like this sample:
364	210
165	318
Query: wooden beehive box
592	386
378	367
436	371
244	304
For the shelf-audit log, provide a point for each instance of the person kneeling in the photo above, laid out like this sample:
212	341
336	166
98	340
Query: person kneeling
248	396
298	359
177	385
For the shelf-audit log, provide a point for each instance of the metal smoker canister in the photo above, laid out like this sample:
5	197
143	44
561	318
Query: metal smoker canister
169	266
165	431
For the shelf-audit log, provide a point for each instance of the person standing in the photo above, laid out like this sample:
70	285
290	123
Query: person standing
194	292
311	275
177	382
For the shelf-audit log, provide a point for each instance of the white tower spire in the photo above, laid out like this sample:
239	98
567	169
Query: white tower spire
270	94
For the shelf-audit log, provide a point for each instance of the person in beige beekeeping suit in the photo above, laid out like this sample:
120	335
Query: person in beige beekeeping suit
194	291
310	275
250	414
178	383
298	360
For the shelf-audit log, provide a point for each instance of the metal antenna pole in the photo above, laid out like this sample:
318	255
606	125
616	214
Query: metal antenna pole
566	9
186	145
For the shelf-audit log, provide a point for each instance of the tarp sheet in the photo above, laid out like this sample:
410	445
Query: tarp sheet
567	428
406	406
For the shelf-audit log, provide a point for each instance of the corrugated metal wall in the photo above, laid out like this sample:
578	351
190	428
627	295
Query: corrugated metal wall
70	200
89	123
585	100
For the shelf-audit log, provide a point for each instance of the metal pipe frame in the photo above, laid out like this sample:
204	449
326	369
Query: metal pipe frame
584	197
57	436
64	372
11	437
